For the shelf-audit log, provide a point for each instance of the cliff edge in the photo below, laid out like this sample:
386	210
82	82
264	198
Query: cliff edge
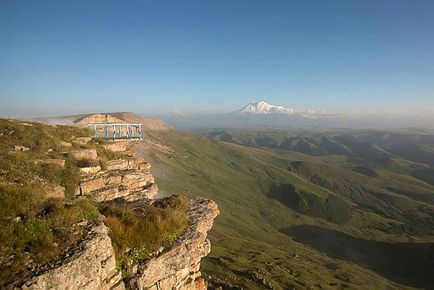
91	263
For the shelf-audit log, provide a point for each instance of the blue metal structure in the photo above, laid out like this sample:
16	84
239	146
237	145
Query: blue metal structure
116	130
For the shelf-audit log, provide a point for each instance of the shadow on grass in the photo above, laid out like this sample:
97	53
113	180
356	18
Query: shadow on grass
410	264
332	208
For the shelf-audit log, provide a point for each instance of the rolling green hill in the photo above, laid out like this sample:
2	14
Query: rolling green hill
335	210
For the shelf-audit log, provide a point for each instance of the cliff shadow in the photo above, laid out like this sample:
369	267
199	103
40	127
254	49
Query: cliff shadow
410	264
332	208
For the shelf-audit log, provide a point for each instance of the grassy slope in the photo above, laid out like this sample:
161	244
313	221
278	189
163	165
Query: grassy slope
36	228
259	237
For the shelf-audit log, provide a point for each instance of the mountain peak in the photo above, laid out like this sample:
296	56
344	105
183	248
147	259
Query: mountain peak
263	107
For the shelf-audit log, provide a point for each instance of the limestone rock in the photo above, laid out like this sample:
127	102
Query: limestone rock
91	263
117	164
90	170
128	178
90	266
97	118
81	154
178	267
92	184
148	192
128	163
117	146
65	144
19	148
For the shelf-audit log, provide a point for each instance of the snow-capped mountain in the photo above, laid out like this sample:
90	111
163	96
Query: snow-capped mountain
264	108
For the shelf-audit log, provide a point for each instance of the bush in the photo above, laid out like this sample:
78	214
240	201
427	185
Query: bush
138	231
85	163
34	229
45	230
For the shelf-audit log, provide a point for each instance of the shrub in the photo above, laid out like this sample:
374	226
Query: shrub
34	229
137	231
85	163
44	231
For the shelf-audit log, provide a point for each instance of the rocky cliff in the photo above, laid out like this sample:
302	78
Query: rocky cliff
178	267
127	178
91	263
125	117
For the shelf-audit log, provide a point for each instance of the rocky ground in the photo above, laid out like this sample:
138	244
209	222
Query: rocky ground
91	264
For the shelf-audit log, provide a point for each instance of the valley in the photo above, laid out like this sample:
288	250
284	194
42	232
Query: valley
334	210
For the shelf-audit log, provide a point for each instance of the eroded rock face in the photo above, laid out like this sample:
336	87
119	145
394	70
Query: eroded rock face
97	118
19	148
117	146
129	178
91	265
81	154
128	163
178	267
90	170
65	144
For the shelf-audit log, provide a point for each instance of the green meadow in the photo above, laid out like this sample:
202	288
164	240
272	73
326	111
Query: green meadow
291	218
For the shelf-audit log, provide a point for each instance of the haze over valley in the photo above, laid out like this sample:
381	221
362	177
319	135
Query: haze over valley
217	145
262	115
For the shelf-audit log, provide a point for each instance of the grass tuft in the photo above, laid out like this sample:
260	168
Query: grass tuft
137	231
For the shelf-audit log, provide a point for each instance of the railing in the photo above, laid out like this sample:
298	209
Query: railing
117	130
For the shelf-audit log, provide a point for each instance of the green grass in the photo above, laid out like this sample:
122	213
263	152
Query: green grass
34	229
45	230
250	233
259	236
106	155
137	230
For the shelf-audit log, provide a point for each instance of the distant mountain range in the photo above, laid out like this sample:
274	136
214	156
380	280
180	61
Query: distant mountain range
262	107
262	115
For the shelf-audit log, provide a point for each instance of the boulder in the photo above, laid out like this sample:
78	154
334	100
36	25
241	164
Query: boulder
91	184
116	146
90	170
128	163
65	144
19	148
178	266
81	154
118	164
91	265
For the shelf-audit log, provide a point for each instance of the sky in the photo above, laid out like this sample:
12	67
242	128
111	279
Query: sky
157	57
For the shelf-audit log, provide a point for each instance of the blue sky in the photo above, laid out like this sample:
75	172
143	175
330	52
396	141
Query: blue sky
64	57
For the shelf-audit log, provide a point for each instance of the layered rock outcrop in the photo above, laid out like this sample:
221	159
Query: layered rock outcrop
91	263
128	178
118	146
81	154
178	267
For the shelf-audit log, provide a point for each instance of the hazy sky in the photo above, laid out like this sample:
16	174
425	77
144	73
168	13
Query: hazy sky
62	57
